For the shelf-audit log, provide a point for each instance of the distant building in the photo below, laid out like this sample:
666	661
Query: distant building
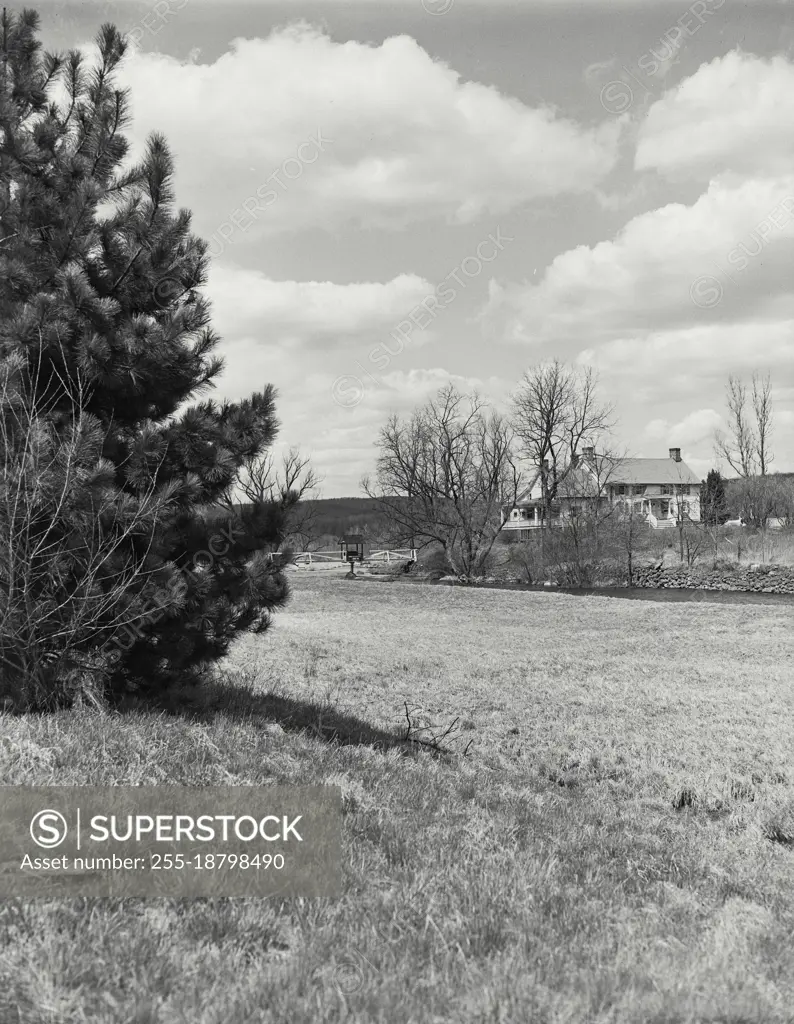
660	491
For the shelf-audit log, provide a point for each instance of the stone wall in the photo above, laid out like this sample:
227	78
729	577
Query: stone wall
762	579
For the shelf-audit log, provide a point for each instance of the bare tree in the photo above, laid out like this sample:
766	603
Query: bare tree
689	542
304	531
584	494
630	523
555	409
762	408
443	475
785	507
738	448
291	485
301	483
75	561
746	447
755	499
261	480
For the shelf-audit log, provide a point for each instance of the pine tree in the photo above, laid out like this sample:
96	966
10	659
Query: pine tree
104	336
713	502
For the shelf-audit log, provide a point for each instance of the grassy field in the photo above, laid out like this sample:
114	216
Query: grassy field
611	838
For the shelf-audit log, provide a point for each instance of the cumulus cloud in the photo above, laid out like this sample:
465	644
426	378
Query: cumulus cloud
405	139
692	429
725	257
733	115
695	360
248	305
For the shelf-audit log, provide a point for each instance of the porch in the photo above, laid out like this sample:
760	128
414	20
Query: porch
657	513
530	517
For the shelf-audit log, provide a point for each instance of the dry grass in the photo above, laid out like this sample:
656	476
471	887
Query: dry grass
617	845
751	546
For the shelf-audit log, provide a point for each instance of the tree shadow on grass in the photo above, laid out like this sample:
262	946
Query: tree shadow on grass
240	704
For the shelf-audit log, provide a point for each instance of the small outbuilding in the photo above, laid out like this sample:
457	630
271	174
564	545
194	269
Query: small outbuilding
354	548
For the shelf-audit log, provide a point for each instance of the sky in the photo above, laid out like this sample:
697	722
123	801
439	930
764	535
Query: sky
401	195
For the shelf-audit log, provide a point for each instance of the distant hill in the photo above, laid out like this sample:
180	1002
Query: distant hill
338	516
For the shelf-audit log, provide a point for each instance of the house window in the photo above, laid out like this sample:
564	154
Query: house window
686	489
621	488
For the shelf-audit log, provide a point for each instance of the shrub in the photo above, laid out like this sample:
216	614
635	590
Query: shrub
433	560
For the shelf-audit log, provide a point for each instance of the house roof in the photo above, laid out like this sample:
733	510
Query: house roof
573	482
578	482
652	471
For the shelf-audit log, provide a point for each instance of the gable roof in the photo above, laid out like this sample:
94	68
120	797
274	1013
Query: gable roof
573	482
526	494
653	471
579	482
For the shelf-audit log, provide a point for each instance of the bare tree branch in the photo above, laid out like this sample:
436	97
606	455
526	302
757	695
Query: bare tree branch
762	408
292	485
750	423
443	475
555	410
746	448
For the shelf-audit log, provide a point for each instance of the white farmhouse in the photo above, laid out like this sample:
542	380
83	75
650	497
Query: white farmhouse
660	491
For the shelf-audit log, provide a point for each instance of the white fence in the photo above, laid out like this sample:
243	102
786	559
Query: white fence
308	559
404	554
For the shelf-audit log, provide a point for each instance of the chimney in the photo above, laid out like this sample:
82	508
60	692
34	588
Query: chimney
675	454
588	455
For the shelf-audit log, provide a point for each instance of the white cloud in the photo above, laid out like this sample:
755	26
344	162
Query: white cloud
691	430
655	273
248	305
408	138
694	360
733	115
